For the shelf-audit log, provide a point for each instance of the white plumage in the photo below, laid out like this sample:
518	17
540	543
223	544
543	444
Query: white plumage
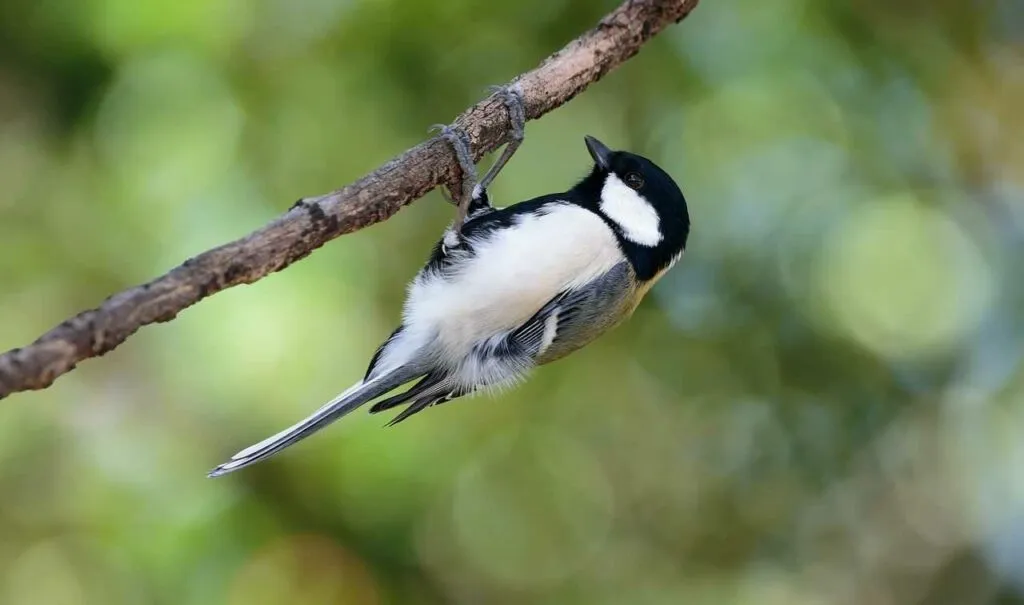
509	277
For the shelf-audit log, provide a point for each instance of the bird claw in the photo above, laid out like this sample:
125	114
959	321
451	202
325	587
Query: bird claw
512	96
473	198
459	141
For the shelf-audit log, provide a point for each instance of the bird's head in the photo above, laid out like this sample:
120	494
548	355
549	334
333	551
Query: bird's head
642	204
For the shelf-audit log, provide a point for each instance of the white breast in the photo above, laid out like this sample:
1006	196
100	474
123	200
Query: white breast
512	275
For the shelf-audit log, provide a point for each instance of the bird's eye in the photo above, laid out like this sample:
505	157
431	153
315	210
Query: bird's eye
634	180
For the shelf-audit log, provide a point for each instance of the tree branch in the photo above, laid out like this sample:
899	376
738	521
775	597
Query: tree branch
311	222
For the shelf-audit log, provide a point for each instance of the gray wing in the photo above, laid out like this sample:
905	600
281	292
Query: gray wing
574	318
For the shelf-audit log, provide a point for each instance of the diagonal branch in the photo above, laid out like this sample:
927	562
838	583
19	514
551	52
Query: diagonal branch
311	222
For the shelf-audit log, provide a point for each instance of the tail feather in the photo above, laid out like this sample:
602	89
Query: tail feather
417	406
429	381
440	392
354	397
433	389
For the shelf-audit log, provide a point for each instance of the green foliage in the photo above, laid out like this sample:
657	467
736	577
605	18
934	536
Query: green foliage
820	404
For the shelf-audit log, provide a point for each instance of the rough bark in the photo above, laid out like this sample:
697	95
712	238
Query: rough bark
313	221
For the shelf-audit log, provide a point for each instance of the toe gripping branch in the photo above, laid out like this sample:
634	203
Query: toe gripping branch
473	196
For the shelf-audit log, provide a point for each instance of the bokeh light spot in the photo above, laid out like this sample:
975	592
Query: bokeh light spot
123	27
532	509
903	279
168	126
44	575
306	569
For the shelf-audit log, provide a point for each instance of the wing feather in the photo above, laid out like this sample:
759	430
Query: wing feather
575	317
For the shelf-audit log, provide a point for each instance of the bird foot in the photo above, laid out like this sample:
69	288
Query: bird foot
473	197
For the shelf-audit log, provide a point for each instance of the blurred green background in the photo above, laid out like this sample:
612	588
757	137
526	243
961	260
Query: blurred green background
821	404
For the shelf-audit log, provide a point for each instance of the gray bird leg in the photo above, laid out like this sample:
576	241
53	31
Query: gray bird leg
513	98
473	197
460	144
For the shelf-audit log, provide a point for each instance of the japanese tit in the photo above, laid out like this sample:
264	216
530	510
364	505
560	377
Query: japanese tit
517	287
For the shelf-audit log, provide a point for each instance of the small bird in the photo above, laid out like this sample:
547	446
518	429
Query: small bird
508	289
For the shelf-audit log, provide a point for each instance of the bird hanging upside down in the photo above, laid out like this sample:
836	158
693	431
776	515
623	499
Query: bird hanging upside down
509	289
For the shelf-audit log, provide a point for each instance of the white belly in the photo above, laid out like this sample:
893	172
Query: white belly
512	275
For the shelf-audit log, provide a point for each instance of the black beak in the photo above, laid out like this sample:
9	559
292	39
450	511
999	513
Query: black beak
601	154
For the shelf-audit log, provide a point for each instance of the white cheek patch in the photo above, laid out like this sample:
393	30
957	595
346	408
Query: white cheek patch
631	212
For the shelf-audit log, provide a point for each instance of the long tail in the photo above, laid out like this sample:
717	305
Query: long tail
351	399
